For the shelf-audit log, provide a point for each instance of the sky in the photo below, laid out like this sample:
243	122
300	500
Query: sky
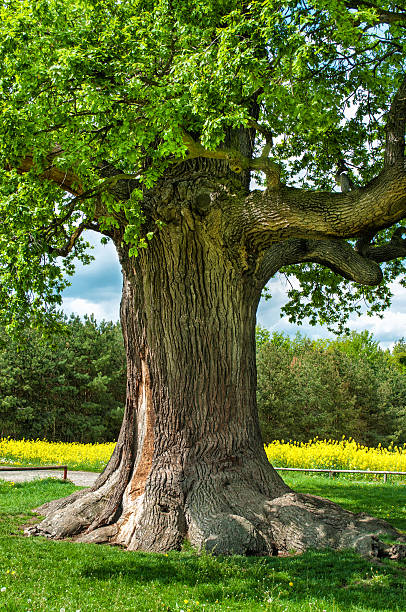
96	289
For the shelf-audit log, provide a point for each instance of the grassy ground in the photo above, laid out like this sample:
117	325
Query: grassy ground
37	574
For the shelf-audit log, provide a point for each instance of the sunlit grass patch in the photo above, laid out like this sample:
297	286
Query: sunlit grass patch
386	501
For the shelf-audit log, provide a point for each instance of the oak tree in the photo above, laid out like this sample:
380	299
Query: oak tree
145	120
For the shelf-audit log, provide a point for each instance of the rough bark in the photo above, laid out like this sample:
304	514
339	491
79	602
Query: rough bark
189	462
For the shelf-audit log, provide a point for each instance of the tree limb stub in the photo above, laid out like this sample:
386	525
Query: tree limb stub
235	159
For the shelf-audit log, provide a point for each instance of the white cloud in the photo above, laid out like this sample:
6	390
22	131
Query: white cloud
105	309
387	330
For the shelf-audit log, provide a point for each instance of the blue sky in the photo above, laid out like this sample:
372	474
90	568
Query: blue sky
96	289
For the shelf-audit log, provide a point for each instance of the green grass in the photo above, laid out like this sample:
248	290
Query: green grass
63	575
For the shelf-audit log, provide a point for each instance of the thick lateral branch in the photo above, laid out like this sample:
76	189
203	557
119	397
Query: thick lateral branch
273	215
285	213
71	183
337	255
360	266
67	180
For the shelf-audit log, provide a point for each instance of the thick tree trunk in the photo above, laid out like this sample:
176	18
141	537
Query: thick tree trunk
189	462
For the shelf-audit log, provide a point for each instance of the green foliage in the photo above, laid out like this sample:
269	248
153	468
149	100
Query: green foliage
348	386
361	345
323	297
262	335
70	390
74	388
399	354
92	85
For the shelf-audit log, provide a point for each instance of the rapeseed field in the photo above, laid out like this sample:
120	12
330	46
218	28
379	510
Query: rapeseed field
345	454
93	457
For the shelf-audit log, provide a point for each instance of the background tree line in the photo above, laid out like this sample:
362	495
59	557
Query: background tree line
74	388
70	390
330	388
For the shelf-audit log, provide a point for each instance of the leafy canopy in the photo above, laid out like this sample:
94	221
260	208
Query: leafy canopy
97	90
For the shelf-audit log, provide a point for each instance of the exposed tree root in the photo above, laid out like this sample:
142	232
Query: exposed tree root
238	521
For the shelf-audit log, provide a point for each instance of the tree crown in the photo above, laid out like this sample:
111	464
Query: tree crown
99	100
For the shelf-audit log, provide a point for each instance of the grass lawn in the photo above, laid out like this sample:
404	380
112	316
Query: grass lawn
37	574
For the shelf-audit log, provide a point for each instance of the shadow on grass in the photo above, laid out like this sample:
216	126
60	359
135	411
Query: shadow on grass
343	577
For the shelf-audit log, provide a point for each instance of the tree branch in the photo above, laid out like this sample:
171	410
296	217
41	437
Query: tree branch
67	180
64	251
383	16
395	128
235	160
393	249
70	182
265	132
72	240
337	255
266	217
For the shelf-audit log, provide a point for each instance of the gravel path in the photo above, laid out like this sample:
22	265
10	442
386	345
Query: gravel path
81	479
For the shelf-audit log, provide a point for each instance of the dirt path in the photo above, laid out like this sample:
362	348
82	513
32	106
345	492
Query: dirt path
81	479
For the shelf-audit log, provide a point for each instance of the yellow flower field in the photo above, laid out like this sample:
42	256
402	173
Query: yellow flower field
330	454
336	454
40	452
